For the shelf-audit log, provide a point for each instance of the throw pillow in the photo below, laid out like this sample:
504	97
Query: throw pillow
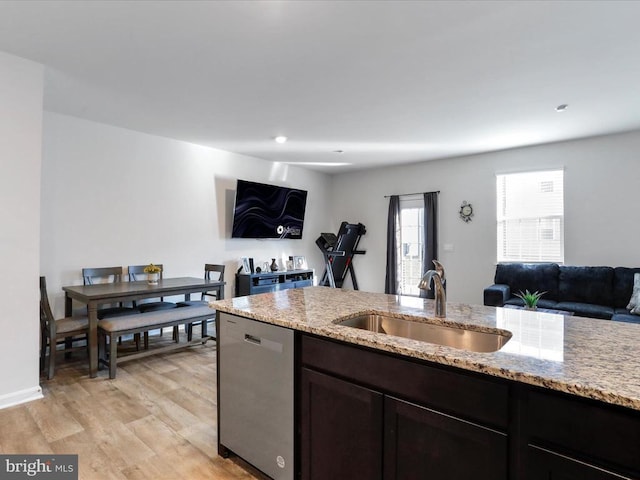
634	302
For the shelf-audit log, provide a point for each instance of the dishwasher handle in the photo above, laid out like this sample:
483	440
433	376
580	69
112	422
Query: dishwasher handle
252	339
264	343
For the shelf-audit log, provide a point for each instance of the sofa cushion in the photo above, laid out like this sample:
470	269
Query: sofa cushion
496	295
541	277
623	285
586	309
586	285
625	317
622	311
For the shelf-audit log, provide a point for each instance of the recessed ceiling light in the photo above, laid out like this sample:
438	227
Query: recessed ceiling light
280	139
562	108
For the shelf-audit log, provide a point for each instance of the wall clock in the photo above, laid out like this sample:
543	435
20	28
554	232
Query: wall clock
466	211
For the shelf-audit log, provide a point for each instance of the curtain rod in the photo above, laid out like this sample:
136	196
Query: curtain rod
408	194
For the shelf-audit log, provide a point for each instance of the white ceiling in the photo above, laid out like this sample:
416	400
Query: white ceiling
387	82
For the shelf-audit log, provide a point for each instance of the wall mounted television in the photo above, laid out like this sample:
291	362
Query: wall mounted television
268	211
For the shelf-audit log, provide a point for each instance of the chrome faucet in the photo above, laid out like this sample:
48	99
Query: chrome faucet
438	279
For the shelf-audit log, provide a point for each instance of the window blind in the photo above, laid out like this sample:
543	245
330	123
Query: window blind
530	216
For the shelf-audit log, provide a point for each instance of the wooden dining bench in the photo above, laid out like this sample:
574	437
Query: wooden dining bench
143	322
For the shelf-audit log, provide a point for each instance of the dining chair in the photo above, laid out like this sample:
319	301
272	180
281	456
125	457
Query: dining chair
137	273
92	276
212	272
53	330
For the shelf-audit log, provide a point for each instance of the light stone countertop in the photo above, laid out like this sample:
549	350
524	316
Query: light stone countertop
591	358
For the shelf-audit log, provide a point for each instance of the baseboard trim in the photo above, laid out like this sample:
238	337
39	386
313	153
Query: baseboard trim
21	396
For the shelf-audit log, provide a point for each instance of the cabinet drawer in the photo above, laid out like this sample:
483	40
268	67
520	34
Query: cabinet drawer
465	395
587	428
546	465
426	444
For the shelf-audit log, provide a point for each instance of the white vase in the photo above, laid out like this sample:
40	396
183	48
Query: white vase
152	278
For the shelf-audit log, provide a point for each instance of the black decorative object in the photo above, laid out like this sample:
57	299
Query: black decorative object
274	265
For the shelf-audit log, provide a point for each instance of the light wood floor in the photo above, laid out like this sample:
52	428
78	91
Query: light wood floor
156	420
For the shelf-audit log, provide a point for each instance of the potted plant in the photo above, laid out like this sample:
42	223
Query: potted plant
153	273
530	299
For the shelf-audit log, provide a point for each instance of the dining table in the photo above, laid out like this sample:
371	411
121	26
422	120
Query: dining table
106	293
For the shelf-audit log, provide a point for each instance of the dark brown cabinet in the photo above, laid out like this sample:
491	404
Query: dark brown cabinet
349	431
547	465
363	413
341	429
572	438
354	425
423	443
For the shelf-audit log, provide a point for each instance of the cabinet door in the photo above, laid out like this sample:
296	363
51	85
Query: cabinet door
424	444
546	465
341	429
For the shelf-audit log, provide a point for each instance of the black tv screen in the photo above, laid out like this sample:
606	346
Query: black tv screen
268	211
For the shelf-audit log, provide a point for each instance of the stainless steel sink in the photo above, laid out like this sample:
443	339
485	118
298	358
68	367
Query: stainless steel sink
460	338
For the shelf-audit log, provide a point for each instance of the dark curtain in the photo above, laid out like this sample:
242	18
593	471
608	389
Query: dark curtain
430	252
393	225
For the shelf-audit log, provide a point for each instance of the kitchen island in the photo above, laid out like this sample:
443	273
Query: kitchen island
560	400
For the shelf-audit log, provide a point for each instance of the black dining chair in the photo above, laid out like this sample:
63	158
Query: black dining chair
58	332
93	276
137	273
212	272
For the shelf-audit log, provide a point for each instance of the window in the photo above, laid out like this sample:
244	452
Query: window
411	244
531	216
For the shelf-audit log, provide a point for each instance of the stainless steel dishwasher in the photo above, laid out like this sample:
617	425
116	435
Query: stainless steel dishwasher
255	415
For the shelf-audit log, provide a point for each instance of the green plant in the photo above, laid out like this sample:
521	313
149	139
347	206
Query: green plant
151	268
530	299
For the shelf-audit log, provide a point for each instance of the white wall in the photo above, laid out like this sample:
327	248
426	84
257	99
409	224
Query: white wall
602	175
21	87
112	197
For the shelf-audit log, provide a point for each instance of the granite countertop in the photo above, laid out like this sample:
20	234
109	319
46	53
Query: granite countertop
591	358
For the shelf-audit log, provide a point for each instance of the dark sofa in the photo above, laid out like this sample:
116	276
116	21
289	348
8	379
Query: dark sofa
597	292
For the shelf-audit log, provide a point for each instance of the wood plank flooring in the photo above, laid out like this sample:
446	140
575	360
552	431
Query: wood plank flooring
156	420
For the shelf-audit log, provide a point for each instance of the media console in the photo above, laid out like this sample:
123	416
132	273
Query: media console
253	283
